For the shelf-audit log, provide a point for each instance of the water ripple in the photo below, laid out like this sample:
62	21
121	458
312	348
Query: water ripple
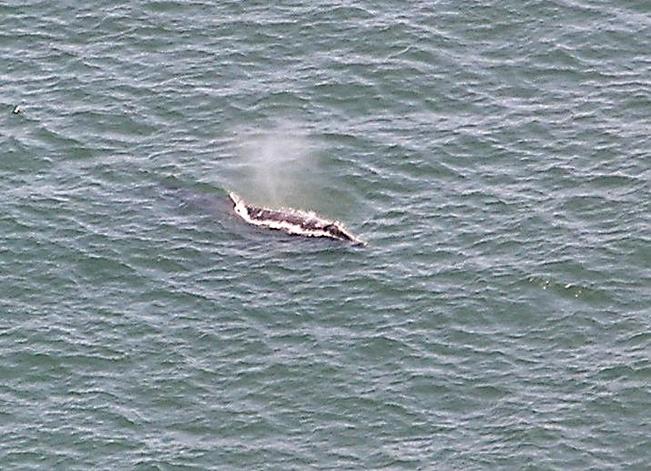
493	155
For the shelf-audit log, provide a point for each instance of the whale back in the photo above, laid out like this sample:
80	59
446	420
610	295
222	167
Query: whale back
292	221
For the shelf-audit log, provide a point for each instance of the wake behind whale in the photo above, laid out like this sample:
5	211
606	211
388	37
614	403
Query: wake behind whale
292	221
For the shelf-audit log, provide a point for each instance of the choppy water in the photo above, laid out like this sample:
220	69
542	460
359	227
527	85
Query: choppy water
495	156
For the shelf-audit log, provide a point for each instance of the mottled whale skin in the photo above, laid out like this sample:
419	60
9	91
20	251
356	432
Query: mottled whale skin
292	221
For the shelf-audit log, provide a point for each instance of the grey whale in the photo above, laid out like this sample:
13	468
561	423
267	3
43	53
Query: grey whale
292	221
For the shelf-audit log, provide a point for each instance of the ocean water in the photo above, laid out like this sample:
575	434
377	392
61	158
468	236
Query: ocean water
494	155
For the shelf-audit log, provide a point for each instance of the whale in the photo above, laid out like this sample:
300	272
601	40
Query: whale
292	221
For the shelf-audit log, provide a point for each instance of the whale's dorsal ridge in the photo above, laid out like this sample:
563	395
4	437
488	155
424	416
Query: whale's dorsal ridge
292	221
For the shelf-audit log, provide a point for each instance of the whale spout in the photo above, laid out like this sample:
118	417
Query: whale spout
292	221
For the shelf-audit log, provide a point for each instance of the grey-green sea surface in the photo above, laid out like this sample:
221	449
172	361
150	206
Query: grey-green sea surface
495	155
